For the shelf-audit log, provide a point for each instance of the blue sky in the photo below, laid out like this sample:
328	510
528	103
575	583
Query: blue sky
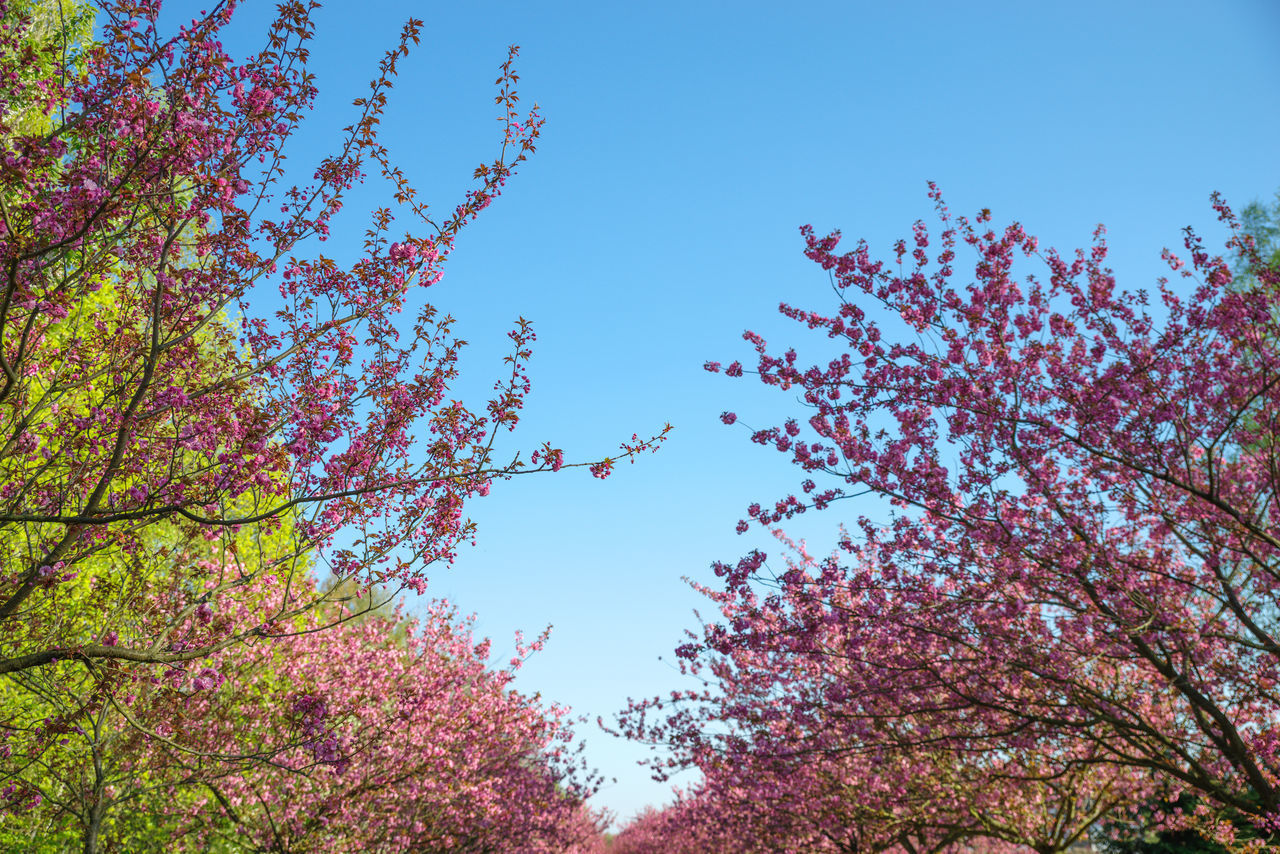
685	143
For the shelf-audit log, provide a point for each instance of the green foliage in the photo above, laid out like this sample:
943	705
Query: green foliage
55	30
1261	221
1168	842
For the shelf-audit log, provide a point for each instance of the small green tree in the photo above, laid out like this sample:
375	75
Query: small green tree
1261	221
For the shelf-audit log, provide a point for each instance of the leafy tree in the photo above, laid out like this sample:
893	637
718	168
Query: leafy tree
1261	221
48	36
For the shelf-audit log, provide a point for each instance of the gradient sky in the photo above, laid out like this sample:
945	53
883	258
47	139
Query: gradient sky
685	143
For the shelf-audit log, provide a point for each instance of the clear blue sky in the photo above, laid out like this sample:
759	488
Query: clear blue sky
685	143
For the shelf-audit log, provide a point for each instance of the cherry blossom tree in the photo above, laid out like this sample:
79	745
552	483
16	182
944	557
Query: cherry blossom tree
396	745
1072	608
1082	482
150	206
175	462
819	731
377	734
684	827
